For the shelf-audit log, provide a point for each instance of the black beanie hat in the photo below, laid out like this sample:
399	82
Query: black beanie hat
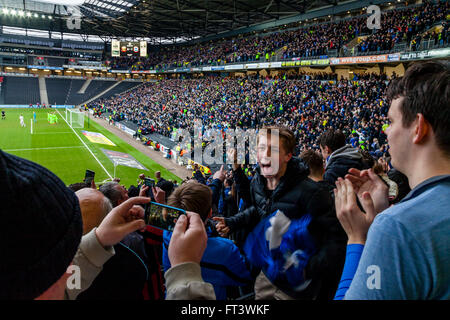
41	228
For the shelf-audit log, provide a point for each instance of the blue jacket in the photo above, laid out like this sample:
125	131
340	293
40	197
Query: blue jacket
222	264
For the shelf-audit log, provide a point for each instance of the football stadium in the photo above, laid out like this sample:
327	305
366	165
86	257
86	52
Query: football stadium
225	150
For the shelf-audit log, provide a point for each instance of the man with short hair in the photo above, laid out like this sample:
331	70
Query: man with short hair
158	177
314	161
294	236
404	251
339	157
315	164
124	276
94	207
115	192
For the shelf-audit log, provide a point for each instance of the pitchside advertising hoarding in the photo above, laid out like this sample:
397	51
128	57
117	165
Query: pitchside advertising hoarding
366	59
427	54
263	65
313	62
120	71
361	59
382	58
44	67
85	67
143	71
125	128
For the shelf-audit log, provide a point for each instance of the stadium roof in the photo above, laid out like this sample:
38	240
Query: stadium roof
151	19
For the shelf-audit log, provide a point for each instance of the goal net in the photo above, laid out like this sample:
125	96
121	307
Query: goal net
75	118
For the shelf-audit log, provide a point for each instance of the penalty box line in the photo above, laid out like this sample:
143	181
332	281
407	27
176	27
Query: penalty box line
101	165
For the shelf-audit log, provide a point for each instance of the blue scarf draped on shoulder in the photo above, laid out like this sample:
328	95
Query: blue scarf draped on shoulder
281	248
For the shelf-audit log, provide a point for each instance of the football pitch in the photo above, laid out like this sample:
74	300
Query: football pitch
68	152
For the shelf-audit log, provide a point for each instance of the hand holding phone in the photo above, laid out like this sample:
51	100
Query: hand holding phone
150	183
89	177
162	216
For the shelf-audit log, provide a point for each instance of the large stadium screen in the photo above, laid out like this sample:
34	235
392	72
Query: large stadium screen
128	48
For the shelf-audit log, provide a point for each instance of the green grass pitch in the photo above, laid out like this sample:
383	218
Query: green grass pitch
57	148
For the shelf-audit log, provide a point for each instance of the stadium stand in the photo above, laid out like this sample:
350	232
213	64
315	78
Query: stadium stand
58	89
363	117
66	91
94	88
250	103
325	39
122	87
28	93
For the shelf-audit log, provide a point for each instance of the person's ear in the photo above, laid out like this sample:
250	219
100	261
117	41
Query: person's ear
422	128
210	214
289	157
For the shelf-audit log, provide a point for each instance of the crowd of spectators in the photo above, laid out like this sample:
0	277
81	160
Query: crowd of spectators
435	38
291	231
306	104
404	25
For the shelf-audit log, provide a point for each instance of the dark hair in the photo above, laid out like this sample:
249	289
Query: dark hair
192	196
166	186
78	186
367	159
333	139
133	191
286	136
313	159
110	191
425	88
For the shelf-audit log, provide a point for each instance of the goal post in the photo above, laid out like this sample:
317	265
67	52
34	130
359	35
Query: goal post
75	118
31	126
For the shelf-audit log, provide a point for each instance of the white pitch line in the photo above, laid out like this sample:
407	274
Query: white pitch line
53	132
86	146
49	148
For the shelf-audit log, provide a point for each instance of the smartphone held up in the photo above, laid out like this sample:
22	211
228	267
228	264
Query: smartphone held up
162	216
89	177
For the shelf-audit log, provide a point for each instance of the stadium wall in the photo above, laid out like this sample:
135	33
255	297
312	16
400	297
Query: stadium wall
343	73
399	70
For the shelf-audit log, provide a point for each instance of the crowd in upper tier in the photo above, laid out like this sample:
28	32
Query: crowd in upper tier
403	25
